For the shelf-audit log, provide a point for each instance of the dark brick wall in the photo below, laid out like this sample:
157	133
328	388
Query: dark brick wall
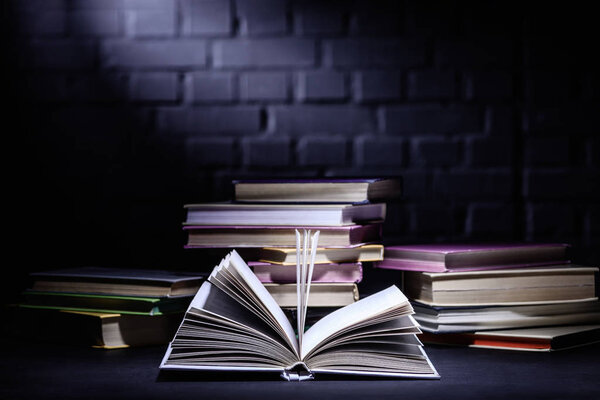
124	110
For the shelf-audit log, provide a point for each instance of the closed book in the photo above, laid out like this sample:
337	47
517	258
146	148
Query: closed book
101	330
324	255
280	236
118	281
358	190
461	257
549	338
321	294
436	319
323	273
509	286
283	214
105	303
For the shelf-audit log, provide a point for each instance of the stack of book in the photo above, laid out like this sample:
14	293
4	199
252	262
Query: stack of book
512	296
106	307
261	224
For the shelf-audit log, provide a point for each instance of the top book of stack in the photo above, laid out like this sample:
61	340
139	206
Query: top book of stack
318	190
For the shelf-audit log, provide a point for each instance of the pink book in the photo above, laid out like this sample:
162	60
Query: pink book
325	273
472	257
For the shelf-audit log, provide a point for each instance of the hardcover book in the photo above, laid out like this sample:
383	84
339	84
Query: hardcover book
461	257
321	294
105	303
234	324
280	236
322	273
508	286
283	214
118	281
318	190
549	338
435	319
324	255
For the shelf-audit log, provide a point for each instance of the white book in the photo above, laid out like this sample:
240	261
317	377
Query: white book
234	324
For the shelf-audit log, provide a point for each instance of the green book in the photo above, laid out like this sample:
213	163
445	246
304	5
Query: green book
104	303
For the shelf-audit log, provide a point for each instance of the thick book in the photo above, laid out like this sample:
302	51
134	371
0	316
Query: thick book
321	294
460	257
322	273
508	286
324	255
550	338
105	303
234	324
283	214
101	330
471	319
199	236
318	190
119	281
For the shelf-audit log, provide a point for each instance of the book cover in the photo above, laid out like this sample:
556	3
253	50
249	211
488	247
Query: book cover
322	273
462	257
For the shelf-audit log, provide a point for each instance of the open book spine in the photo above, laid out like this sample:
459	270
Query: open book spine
305	244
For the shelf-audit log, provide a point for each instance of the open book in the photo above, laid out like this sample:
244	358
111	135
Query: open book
233	324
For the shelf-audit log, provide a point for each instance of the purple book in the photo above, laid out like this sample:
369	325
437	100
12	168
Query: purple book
359	190
225	236
323	273
472	257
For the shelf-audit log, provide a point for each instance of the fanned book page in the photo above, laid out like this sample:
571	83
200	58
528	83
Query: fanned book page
234	324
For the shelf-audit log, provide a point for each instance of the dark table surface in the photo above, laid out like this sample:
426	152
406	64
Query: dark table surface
34	370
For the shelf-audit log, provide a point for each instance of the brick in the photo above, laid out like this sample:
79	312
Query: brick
379	152
416	185
228	120
376	17
489	219
480	52
426	119
322	151
552	151
314	17
545	87
550	220
374	86
264	86
277	52
499	121
267	152
426	85
154	86
211	86
41	23
367	52
493	184
96	4
488	85
154	53
98	87
316	119
573	118
207	17
43	87
320	85
151	23
63	55
561	184
435	152
431	18
262	17
206	152
431	218
489	152
94	23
